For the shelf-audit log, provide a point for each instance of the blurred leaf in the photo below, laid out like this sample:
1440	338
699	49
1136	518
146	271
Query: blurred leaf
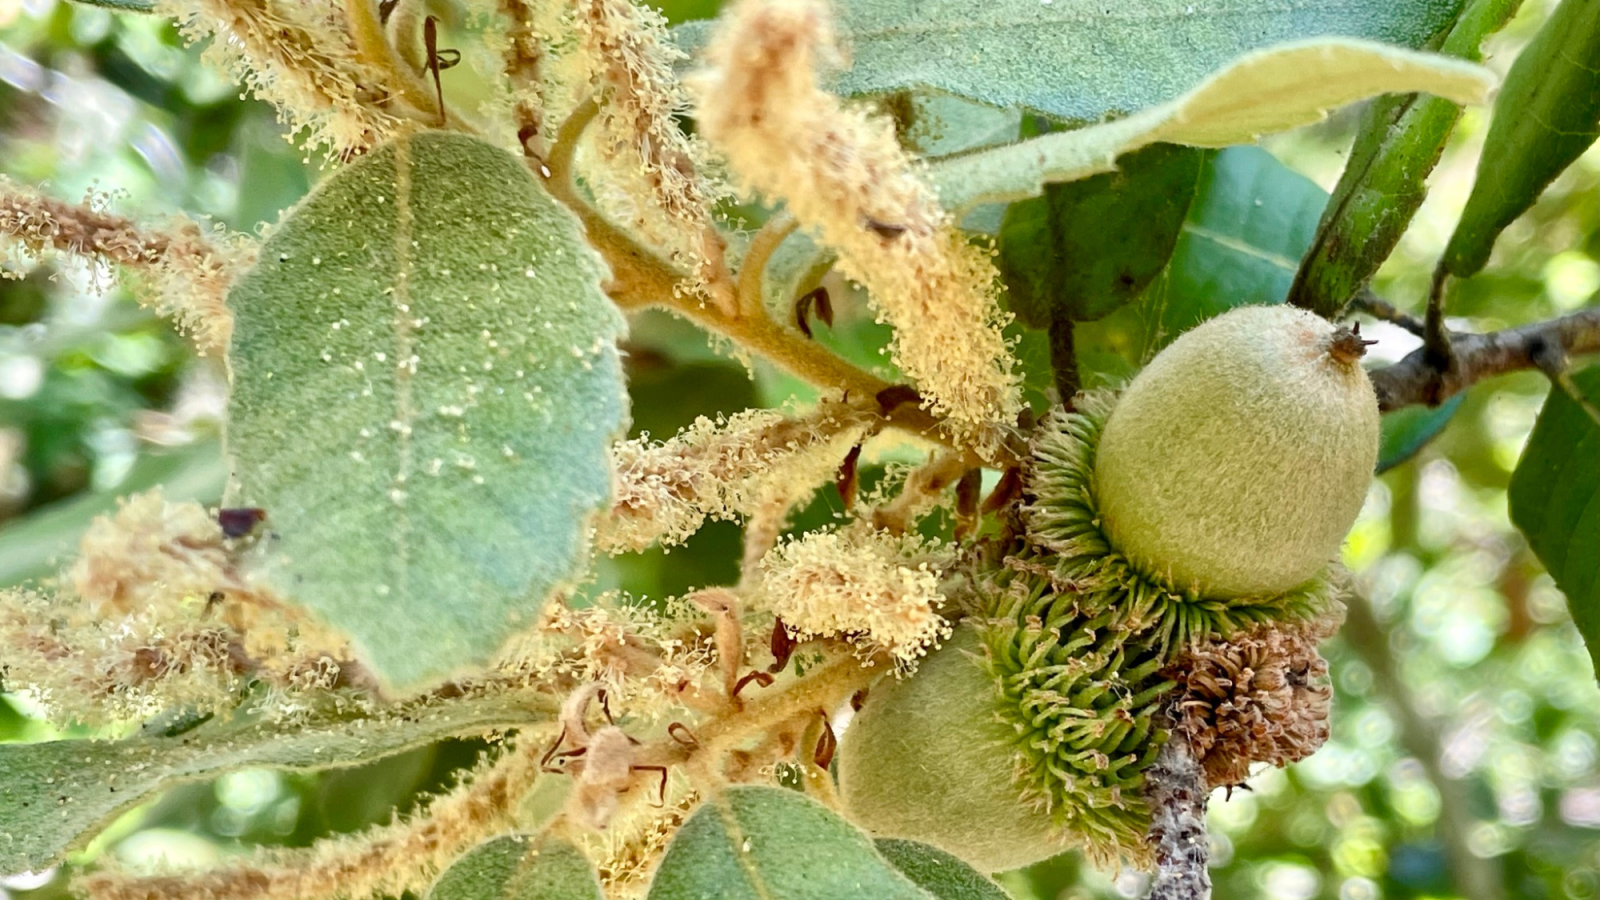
519	867
766	843
1405	431
937	872
1555	501
1251	219
57	795
425	386
1547	114
1080	60
33	547
1399	142
1087	247
271	168
1260	93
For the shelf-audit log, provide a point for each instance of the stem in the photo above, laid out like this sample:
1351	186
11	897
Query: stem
753	269
1175	788
824	688
372	45
1064	360
402	33
1435	338
640	279
1415	380
1371	304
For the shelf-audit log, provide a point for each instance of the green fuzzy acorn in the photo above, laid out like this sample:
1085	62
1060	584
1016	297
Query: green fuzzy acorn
1174	573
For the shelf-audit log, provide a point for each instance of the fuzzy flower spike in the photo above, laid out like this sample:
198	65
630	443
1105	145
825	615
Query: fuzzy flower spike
843	175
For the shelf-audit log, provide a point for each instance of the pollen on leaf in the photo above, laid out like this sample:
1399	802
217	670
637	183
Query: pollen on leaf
844	175
881	590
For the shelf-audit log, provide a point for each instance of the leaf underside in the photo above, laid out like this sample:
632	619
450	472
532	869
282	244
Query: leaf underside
1081	60
56	795
425	384
1266	91
1555	500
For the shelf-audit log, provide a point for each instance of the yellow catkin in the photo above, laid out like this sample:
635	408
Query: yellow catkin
154	614
880	589
843	175
297	55
653	160
720	470
179	271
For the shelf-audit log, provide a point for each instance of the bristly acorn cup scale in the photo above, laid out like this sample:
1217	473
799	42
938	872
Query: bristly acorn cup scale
1175	573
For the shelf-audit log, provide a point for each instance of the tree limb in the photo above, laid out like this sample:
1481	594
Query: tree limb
1542	345
1176	789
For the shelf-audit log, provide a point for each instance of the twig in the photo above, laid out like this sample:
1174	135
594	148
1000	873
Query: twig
1176	789
1475	877
1436	347
372	44
752	269
1373	305
1415	380
1064	360
640	280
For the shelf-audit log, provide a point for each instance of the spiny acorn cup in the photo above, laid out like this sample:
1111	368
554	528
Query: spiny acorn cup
1030	730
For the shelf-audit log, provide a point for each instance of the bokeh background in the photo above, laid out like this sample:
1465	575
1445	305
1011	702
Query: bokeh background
1464	760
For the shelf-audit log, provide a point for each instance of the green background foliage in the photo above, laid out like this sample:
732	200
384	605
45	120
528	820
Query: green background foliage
1465	734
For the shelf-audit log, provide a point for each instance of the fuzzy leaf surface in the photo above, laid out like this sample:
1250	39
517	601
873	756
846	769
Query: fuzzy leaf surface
1081	60
1399	142
1547	114
519	867
1265	91
1555	501
425	383
765	843
59	794
944	876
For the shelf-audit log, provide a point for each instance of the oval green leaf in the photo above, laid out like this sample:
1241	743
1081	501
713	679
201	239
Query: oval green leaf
519	867
1555	500
1250	220
1087	247
765	843
944	876
425	384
